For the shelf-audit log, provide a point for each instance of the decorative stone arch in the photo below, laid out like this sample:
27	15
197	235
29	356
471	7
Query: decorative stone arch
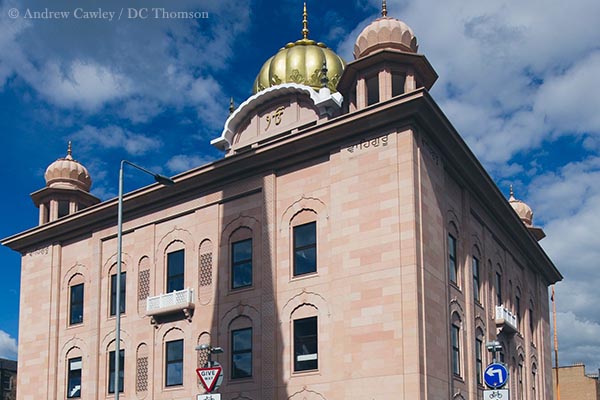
240	310
304	298
313	204
77	269
206	272
306	394
240	228
109	339
453	224
175	235
177	239
480	324
456	308
72	348
144	283
111	263
142	370
458	396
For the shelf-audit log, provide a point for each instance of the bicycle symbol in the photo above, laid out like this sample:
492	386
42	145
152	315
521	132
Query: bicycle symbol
495	395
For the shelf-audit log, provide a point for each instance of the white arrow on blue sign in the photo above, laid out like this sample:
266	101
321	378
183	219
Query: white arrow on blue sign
495	375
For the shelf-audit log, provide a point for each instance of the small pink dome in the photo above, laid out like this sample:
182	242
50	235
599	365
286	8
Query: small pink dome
522	209
385	32
68	173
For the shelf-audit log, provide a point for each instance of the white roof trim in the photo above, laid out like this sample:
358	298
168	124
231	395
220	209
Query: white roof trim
324	100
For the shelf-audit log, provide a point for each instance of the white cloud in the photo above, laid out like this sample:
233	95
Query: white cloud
8	346
578	340
138	67
112	137
182	162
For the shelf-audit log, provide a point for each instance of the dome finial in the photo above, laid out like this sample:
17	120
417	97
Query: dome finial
384	8
69	151
512	193
305	23
231	106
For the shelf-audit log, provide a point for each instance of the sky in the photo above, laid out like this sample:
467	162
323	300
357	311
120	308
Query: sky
519	80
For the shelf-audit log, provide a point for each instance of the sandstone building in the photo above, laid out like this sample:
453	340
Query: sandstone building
349	245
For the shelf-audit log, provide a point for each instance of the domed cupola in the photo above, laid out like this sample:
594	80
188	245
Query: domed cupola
526	214
67	189
301	62
385	32
68	173
386	64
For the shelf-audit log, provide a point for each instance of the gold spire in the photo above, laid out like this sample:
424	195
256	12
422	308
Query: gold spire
512	194
305	23
384	8
231	106
69	151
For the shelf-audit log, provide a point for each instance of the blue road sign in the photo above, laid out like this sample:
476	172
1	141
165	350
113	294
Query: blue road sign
495	375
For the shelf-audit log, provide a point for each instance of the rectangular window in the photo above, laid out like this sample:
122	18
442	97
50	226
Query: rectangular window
174	363
455	335
241	353
520	381
241	264
518	309
498	289
76	304
372	90
175	270
452	268
305	248
476	283
305	344
111	371
398	84
479	360
74	378
6	381
113	293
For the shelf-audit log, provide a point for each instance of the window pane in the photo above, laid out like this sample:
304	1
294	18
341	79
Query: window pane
455	349
174	363
498	289
479	360
63	208
372	90
305	248
175	270
241	262
74	378
397	84
241	357
305	344
111	371
113	293
476	279
76	312
453	275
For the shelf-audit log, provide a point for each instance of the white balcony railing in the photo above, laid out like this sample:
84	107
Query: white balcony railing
178	300
505	319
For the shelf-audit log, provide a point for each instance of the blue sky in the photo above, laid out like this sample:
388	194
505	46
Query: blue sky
519	80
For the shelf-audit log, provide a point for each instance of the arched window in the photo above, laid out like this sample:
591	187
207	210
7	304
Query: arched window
173	358
476	271
453	262
241	258
304	242
113	289
241	348
455	340
76	297
74	368
479	356
305	331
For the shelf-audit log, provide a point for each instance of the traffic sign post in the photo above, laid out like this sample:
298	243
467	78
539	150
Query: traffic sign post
496	394
210	396
209	377
495	375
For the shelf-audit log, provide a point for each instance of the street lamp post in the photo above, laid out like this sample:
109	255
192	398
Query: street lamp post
164	181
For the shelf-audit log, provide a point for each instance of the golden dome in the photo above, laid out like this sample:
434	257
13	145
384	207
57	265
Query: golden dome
68	173
521	208
301	62
385	32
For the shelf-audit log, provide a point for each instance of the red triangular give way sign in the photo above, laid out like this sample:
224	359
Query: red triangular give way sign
208	377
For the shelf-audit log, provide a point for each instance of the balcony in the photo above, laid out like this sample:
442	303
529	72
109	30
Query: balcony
505	320
169	303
